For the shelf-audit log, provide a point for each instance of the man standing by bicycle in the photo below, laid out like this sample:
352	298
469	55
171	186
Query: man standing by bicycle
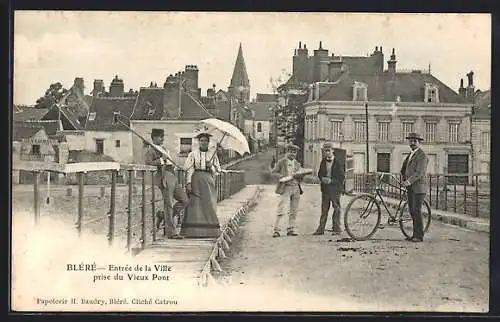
413	175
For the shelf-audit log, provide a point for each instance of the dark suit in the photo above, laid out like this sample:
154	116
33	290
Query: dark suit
166	179
414	172
330	193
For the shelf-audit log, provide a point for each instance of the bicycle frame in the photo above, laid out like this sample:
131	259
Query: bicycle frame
378	194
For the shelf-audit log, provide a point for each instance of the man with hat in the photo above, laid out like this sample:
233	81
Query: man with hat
166	180
289	190
413	173
332	176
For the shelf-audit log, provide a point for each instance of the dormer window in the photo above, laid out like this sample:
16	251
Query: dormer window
431	93
92	116
359	92
116	115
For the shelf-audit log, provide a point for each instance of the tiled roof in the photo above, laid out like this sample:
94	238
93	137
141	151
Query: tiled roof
69	120
51	126
261	109
164	104
29	113
386	87
104	109
266	97
23	130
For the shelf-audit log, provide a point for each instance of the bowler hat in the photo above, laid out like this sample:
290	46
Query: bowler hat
415	136
157	132
327	146
291	146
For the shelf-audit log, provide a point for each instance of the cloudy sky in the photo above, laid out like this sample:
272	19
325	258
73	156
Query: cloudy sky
141	47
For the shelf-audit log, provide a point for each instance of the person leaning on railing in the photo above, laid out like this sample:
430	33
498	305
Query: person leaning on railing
166	179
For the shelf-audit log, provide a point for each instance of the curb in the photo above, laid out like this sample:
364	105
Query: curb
451	218
223	243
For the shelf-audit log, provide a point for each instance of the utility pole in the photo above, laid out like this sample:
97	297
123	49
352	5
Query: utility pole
367	148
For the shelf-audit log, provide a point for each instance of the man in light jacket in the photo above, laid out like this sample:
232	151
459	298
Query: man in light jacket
289	191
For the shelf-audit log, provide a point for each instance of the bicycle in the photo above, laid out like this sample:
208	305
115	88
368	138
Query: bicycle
372	207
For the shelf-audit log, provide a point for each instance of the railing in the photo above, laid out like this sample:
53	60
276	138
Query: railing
34	157
129	209
459	193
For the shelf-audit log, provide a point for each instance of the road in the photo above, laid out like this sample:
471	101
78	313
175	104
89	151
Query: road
256	169
448	272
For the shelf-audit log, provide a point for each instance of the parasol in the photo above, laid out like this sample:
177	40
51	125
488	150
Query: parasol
226	135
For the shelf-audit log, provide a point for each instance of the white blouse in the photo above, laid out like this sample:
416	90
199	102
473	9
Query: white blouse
197	160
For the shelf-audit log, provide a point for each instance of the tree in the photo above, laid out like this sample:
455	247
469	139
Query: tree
52	95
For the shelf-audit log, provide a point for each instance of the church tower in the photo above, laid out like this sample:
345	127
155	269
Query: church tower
240	85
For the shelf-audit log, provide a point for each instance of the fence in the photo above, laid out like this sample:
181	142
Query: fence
459	193
137	225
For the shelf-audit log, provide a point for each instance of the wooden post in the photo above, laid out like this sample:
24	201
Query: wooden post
437	192
129	209
153	212
465	197
112	204
455	195
430	189
36	197
48	187
143	211
477	195
80	203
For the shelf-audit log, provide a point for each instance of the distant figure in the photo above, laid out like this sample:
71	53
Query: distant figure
166	180
200	219
289	191
413	172
332	176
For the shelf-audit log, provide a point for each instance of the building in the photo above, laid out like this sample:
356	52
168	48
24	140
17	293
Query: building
398	102
258	121
240	84
481	133
173	108
104	134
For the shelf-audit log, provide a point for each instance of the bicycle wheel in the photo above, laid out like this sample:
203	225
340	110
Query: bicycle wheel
406	222
363	209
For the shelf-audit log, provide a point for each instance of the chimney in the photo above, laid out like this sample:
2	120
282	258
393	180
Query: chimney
98	87
462	91
470	87
392	62
117	87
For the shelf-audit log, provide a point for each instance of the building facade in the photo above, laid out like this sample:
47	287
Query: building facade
398	102
481	134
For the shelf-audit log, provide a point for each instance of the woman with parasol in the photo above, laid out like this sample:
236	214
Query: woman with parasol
200	219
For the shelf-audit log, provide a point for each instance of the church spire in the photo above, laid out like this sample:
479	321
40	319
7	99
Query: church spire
240	84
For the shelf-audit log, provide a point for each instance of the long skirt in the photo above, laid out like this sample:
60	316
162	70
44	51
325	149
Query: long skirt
200	218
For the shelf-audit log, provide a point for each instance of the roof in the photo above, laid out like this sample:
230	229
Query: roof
69	120
51	127
240	75
104	109
261	109
482	105
387	87
23	130
163	104
266	97
29	113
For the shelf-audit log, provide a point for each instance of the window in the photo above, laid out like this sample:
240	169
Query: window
91	116
116	115
485	140
117	143
407	128
360	92
383	131
35	149
336	130
99	146
431	93
185	145
453	132
359	131
430	132
259	127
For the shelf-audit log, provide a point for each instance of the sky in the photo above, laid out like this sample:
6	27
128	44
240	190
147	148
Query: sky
144	47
